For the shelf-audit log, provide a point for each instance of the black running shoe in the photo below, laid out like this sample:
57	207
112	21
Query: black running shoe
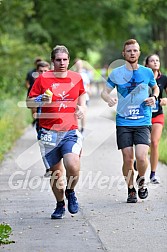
142	191
132	197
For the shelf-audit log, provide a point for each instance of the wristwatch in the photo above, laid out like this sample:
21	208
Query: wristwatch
155	97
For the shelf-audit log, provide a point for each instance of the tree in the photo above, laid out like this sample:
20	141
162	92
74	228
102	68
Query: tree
155	12
16	55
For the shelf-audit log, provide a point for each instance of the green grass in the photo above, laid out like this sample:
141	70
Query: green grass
163	150
13	121
163	141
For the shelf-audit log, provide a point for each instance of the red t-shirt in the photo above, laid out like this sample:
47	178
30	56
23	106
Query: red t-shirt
59	115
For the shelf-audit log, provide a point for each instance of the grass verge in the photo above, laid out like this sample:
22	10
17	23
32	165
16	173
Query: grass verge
163	141
13	121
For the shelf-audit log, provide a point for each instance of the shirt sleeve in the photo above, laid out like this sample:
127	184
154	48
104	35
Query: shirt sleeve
36	88
82	89
152	79
115	77
110	83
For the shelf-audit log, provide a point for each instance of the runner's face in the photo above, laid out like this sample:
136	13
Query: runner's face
131	53
42	70
154	63
61	62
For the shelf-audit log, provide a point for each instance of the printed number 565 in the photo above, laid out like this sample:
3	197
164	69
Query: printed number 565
46	138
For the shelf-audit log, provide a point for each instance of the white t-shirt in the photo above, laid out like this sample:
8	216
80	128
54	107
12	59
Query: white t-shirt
86	82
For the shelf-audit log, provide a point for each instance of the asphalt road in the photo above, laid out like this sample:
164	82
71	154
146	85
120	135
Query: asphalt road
105	221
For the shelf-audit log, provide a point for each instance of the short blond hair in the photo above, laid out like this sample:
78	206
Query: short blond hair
130	42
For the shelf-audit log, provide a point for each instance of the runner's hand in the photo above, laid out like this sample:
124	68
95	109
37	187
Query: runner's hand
112	101
80	111
46	98
163	102
150	101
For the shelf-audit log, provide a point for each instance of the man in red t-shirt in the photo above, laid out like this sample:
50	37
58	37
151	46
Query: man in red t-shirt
61	95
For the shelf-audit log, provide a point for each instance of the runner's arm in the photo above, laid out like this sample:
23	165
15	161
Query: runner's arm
34	102
155	90
150	101
81	106
163	101
105	95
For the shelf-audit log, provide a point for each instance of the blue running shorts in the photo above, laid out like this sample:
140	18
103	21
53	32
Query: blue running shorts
54	144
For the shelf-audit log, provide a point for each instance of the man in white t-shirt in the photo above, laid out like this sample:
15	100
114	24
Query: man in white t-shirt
86	82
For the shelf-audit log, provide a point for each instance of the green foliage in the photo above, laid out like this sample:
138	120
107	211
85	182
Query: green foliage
163	142
154	12
80	25
13	15
13	120
162	150
76	24
16	55
5	232
154	9
16	58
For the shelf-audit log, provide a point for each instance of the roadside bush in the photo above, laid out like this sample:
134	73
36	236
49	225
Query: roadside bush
163	141
13	121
